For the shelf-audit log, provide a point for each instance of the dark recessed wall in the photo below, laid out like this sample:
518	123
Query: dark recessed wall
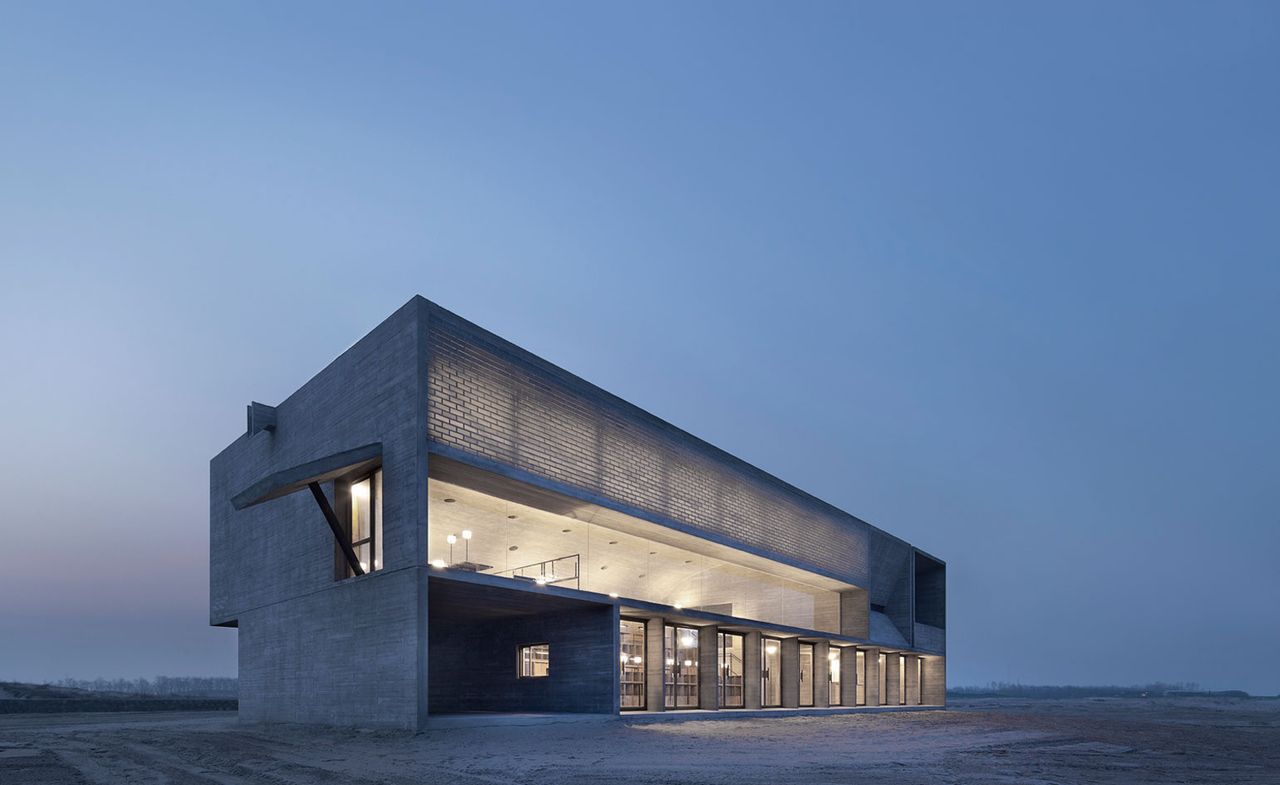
472	664
931	592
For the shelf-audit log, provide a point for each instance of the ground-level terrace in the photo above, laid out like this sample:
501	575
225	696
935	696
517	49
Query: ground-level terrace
496	648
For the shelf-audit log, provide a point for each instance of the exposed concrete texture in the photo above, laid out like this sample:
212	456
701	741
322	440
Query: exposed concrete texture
346	656
474	664
935	681
790	673
708	669
751	670
424	382
493	400
821	675
654	666
855	613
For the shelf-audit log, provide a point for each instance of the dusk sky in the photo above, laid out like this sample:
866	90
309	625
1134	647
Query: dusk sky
1000	278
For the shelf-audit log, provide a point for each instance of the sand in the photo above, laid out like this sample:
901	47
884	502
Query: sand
1187	740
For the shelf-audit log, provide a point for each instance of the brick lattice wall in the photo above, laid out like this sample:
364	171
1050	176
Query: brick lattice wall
490	399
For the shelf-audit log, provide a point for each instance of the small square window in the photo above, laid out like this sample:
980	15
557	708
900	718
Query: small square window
534	660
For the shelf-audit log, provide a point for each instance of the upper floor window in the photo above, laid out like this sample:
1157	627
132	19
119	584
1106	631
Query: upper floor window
364	522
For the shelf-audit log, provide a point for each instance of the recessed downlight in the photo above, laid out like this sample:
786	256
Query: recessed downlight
450	501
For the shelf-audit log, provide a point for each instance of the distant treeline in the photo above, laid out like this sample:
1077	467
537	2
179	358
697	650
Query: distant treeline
160	686
1013	690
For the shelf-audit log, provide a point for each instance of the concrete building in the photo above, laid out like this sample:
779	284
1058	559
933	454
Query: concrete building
440	522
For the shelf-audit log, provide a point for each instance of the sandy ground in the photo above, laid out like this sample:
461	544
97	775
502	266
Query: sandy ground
988	741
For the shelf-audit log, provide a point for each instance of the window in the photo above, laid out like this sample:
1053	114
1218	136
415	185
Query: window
919	681
535	660
902	680
833	676
360	503
806	674
770	672
860	677
631	664
882	665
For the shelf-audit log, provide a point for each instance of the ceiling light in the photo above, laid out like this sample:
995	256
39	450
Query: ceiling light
604	566
566	530
466	534
613	594
613	542
450	501
514	548
451	539
511	517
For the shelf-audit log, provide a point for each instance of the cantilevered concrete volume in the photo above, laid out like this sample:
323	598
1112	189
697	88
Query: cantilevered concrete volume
441	523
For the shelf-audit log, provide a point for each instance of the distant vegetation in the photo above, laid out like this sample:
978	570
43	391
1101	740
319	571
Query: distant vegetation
1007	690
159	687
79	695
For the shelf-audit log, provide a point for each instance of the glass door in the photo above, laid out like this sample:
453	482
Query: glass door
770	672
631	672
681	647
860	676
730	670
806	674
883	662
833	676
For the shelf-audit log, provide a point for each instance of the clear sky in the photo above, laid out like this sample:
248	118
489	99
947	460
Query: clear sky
1002	279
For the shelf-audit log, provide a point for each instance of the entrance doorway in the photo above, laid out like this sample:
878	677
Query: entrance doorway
681	685
730	646
770	672
806	674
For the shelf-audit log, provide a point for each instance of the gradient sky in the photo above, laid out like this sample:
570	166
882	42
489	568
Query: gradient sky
1002	279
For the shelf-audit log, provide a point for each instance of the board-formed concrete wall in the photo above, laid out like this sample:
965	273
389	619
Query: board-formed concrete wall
348	656
492	400
473	663
305	638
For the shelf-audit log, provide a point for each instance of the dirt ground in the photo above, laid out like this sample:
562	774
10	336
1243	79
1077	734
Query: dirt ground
978	741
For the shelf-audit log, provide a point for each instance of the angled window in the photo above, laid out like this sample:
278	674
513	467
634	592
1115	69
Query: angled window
359	503
534	660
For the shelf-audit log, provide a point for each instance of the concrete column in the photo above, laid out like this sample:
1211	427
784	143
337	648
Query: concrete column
654	665
751	670
873	676
821	675
848	676
935	681
892	680
913	680
708	668
790	673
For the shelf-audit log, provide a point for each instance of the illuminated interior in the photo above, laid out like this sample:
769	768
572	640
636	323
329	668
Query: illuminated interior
610	553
